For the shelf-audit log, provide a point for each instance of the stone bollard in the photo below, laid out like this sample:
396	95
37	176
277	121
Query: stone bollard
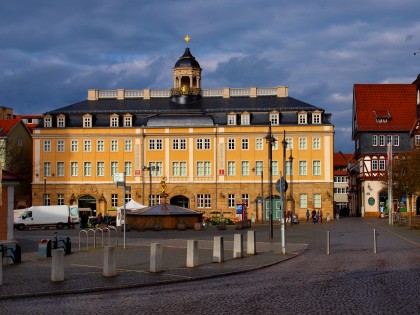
238	248
192	253
109	269
218	249
251	245
156	257
57	267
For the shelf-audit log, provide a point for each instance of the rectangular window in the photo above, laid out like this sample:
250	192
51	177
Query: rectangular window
60	199
245	168
231	168
127	121
74	168
114	200
289	145
417	140
274	119
179	144
114	121
317	201
231	144
245	120
47	146
100	146
60	145
179	168
275	144
388	139
288	168
203	201
87	146
127	197
100	168
157	168
382	165
302	143
245	144
87	122
302	119
87	169
155	144
303	201
203	168
47	168
316	143
114	168
47	122
231	120
316	168
382	140
316	118
259	168
275	167
231	201
47	200
128	145
374	140
60	169
128	167
374	165
74	146
245	199
396	141
114	145
303	168
259	144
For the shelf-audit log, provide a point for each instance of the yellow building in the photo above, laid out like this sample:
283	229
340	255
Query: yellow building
210	144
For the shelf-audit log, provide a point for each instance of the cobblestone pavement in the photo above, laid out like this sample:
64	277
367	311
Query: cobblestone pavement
351	280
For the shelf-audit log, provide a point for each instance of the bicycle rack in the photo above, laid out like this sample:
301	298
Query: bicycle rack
94	231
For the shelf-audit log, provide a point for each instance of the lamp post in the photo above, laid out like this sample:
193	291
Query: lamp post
260	198
270	141
283	197
45	191
150	169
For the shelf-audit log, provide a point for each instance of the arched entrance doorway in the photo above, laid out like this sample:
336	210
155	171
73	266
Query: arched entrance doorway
180	201
87	201
276	208
383	197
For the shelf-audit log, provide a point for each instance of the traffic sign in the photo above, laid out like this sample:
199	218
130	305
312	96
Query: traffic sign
281	185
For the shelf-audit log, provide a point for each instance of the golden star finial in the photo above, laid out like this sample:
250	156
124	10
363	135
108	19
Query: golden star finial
187	39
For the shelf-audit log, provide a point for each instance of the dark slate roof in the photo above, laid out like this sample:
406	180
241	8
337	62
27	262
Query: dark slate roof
206	111
187	60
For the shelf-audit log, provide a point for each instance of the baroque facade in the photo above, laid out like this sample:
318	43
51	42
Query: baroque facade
210	145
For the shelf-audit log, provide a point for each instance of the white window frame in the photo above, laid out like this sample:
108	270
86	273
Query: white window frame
74	146
87	146
114	145
375	140
303	201
128	145
47	145
303	168
231	120
231	168
303	143
259	144
244	144
60	145
316	167
60	169
100	168
87	168
302	118
100	146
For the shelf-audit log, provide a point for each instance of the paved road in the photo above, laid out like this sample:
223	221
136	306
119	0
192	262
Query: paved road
351	280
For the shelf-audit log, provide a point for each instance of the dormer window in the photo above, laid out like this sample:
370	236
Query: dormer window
245	119
61	121
316	118
274	118
232	119
114	120
382	116
87	121
128	120
302	118
48	122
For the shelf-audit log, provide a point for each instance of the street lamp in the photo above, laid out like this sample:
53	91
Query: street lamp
260	198
270	140
150	169
45	191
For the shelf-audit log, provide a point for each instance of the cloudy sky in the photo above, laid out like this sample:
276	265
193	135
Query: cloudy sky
52	52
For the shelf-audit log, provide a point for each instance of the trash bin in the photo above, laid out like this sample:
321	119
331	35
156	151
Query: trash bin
44	248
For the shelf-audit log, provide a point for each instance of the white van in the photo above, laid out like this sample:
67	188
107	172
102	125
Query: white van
48	216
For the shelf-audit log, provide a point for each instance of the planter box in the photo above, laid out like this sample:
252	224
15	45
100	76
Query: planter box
221	226
197	226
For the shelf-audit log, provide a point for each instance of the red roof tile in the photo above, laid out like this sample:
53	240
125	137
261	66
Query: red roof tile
6	125
377	100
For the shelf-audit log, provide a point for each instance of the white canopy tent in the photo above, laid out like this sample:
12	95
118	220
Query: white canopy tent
131	205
